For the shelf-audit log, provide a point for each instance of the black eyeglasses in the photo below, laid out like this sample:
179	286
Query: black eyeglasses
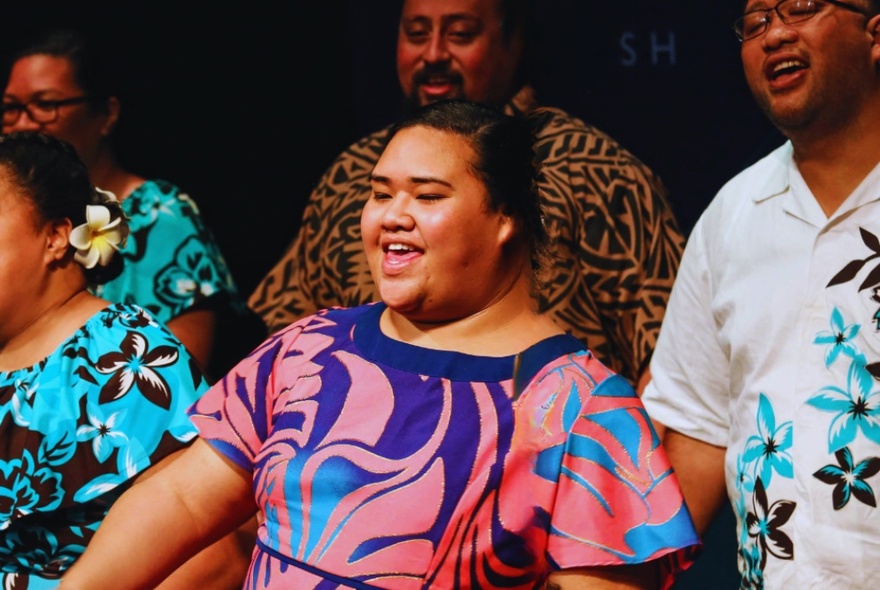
39	110
754	23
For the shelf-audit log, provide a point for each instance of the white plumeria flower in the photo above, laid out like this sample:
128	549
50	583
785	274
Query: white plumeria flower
98	238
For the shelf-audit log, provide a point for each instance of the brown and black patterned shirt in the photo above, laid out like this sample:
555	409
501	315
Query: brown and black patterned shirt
615	241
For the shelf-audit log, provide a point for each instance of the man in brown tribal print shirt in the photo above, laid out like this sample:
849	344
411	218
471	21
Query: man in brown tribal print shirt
616	244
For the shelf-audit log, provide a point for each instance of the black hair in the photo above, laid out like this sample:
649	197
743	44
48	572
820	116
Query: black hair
49	173
505	162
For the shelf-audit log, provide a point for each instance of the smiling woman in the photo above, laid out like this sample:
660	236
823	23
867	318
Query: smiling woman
508	455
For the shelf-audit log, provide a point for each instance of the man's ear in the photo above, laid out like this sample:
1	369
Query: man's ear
58	239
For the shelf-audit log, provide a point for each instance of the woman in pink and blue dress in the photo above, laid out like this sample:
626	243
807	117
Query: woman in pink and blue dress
448	436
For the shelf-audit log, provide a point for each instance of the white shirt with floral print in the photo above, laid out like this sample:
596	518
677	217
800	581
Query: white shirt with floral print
771	348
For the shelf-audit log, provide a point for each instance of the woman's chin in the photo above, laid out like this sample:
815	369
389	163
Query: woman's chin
402	302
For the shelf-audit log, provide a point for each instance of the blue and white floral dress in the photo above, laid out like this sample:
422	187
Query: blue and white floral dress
172	261
77	428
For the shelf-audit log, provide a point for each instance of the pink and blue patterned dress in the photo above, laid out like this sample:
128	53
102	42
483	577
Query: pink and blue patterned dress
77	428
378	464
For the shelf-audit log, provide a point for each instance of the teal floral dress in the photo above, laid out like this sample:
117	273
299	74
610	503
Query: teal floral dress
172	261
77	428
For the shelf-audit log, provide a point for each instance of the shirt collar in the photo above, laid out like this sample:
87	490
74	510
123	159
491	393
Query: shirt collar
798	200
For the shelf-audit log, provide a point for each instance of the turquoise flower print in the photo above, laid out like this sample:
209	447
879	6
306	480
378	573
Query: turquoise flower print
849	480
765	522
839	339
125	316
18	398
857	408
134	320
25	489
752	576
133	365
745	481
38	549
147	210
102	432
192	275
769	449
875	296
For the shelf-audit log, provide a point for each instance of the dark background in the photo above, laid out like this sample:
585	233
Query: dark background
244	104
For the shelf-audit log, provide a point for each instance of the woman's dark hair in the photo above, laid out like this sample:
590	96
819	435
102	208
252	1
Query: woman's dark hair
505	162
49	172
94	70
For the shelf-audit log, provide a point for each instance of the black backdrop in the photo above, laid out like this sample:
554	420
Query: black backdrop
244	105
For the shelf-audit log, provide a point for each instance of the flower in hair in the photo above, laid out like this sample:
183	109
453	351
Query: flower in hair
98	238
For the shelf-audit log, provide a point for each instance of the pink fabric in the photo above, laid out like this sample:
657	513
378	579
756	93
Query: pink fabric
370	471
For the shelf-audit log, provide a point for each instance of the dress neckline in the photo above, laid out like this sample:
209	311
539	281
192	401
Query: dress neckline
379	348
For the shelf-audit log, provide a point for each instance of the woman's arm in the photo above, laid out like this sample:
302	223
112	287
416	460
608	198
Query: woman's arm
699	468
163	520
221	566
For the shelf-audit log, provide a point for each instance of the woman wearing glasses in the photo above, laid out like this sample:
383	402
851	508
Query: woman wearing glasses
60	86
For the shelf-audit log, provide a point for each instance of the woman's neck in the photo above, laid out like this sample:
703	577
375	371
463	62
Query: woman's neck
505	327
107	175
57	319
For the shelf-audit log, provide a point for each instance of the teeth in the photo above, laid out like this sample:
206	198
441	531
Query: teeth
399	248
785	65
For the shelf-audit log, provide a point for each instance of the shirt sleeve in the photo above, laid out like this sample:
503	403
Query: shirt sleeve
237	413
209	271
139	387
690	370
617	245
617	500
642	255
324	266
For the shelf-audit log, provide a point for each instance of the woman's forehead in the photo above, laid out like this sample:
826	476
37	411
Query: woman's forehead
425	150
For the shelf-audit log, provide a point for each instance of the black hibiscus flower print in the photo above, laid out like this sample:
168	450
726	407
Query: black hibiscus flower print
849	479
135	365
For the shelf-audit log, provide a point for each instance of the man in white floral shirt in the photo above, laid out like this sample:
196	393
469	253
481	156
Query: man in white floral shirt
767	369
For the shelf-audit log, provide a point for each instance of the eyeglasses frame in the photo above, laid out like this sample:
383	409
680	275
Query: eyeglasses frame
53	104
768	19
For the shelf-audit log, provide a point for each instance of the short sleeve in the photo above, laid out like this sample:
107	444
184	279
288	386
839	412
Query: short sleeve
690	370
616	243
325	266
236	414
617	500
